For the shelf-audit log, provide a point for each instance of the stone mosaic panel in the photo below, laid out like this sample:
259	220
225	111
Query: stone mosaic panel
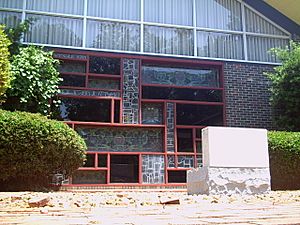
171	161
170	127
185	161
152	113
199	160
131	91
90	93
69	56
180	76
59	179
122	139
153	169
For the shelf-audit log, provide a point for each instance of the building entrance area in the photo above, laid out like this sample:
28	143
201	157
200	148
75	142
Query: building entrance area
124	169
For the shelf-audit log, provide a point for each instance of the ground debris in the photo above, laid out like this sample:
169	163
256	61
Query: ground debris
38	201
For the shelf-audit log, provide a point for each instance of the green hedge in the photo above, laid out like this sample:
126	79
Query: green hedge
32	147
284	150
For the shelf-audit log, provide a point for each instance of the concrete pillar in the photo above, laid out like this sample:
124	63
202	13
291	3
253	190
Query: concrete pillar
235	161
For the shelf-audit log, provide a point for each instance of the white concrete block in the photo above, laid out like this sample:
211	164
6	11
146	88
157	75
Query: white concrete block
235	147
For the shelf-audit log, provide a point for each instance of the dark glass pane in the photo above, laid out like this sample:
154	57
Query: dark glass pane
117	112
104	65
185	140
102	160
152	113
73	81
89	110
121	139
124	169
202	95
205	115
198	133
72	67
102	83
89	177
177	176
90	160
180	76
185	161
199	146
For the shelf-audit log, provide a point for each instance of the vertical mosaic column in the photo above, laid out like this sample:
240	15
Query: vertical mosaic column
153	169
130	91
170	127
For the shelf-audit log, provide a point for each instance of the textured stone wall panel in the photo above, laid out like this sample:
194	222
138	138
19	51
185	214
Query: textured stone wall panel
170	127
153	169
131	91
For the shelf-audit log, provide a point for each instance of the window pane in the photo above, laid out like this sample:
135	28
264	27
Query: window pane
115	36
55	31
89	177
258	48
10	19
169	11
152	113
102	160
257	24
180	76
103	83
177	176
220	45
185	140
89	110
73	81
72	67
90	160
17	4
219	14
117	112
205	115
116	9
168	40
57	6
104	65
149	92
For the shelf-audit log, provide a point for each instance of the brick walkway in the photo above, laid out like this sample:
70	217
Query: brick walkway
206	210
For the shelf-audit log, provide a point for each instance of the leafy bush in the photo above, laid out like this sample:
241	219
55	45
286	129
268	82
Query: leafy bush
285	88
284	150
36	81
33	147
5	74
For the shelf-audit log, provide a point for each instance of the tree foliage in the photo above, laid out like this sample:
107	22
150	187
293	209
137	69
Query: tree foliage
15	35
286	88
36	81
5	74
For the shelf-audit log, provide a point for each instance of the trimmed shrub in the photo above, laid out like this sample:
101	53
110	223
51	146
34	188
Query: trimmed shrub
33	147
284	150
5	74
